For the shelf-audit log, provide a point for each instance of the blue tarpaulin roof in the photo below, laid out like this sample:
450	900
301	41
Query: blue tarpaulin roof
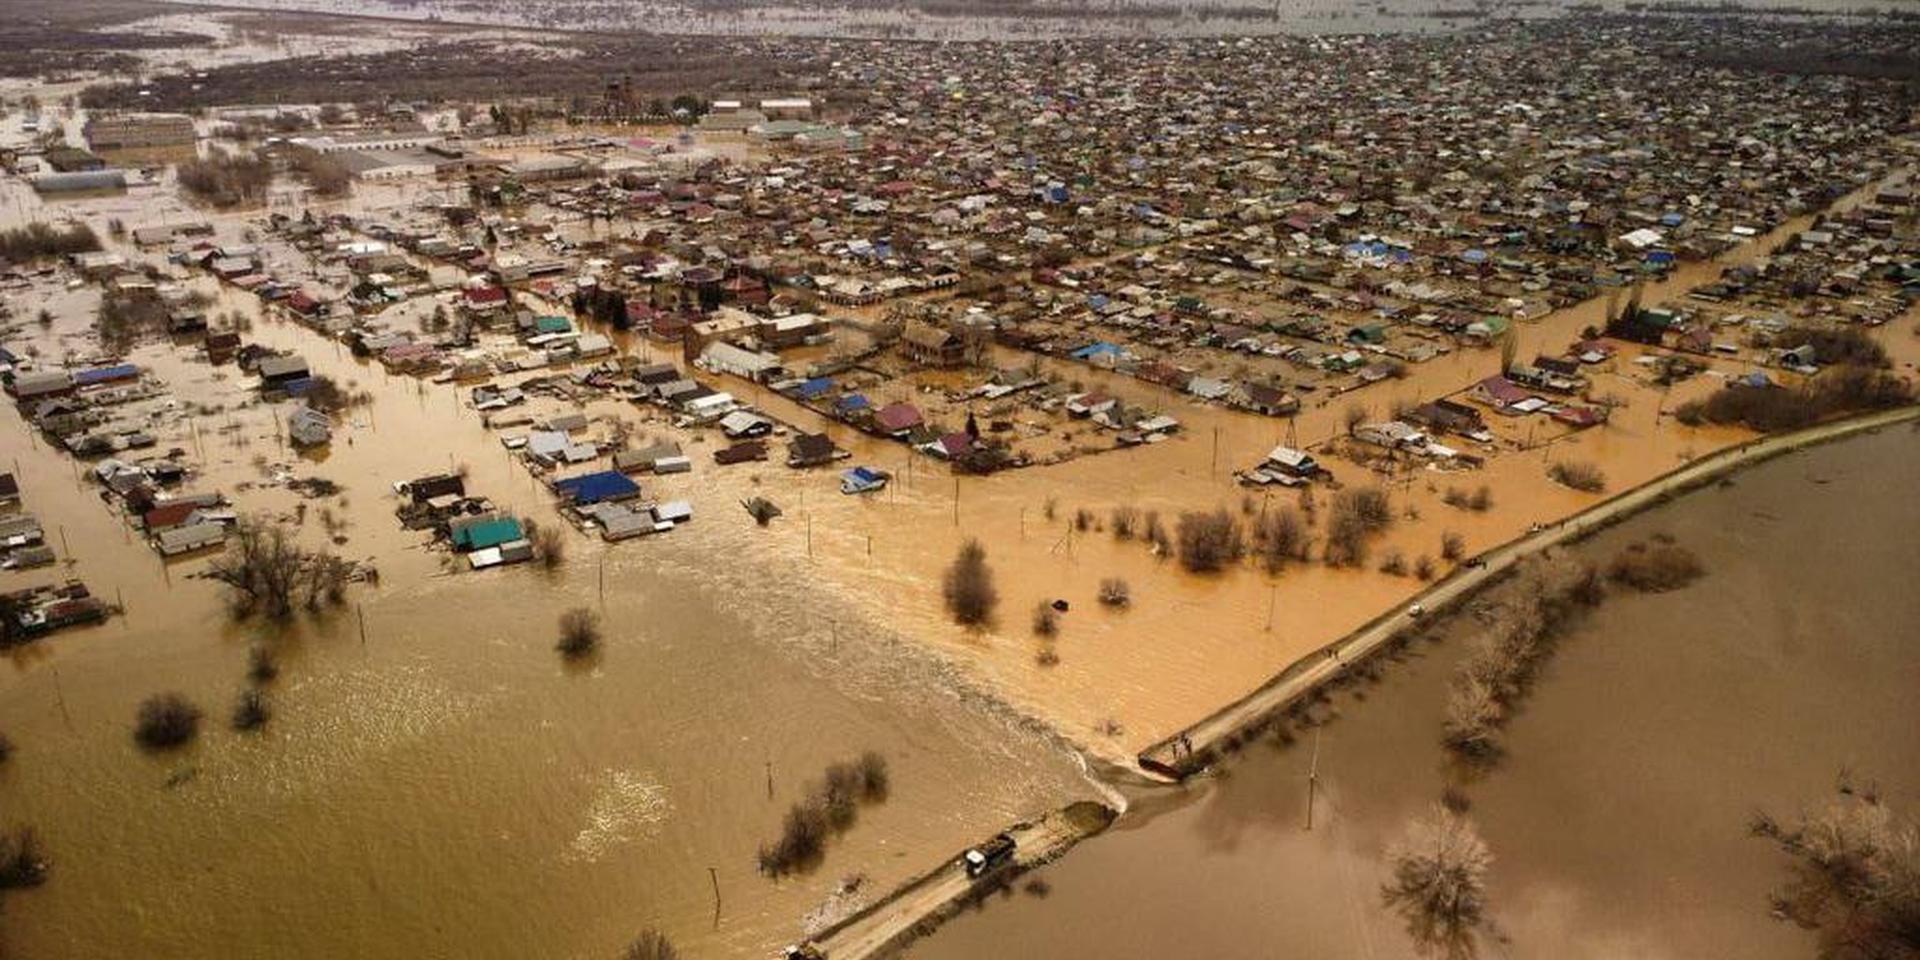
597	487
122	371
1094	350
817	387
856	401
861	480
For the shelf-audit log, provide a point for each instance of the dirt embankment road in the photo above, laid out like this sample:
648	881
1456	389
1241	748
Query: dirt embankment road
926	902
1182	754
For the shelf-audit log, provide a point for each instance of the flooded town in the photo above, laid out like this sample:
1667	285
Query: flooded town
646	480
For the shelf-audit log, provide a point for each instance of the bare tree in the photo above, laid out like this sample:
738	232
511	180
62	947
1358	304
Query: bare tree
1438	885
1282	537
22	863
1353	417
1853	876
549	544
165	721
1209	541
250	712
968	586
1654	568
650	945
1579	475
266	572
579	633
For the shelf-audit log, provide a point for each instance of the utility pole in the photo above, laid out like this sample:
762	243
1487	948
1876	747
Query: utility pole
60	697
1313	776
714	876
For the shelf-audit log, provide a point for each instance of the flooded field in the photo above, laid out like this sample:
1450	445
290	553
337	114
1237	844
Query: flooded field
1618	820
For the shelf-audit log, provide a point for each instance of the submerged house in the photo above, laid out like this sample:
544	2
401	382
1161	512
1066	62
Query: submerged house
307	427
478	533
605	486
812	450
931	346
174	541
282	373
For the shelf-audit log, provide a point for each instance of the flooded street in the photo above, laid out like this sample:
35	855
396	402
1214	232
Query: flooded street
1618	820
437	779
452	783
449	780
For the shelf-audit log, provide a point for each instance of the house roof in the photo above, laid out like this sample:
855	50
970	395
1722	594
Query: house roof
282	366
597	487
898	416
1502	389
168	515
486	532
808	445
926	335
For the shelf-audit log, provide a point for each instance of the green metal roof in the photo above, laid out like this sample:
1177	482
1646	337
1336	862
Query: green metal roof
489	533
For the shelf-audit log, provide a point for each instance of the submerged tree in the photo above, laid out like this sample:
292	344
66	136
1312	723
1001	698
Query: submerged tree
165	721
650	945
268	573
968	586
22	863
1854	876
579	633
250	712
1209	541
1439	884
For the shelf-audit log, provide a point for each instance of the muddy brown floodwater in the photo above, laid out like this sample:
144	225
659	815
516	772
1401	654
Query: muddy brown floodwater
448	787
1617	822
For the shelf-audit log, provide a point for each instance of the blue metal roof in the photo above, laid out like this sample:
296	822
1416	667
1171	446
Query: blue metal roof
597	487
121	371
